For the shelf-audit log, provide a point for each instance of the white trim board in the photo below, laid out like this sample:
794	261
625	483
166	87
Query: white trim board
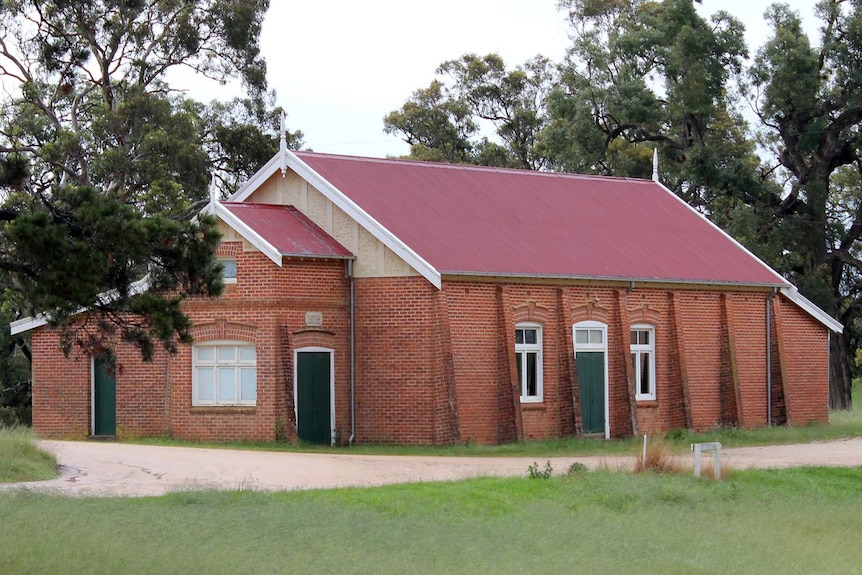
315	349
41	319
808	306
602	348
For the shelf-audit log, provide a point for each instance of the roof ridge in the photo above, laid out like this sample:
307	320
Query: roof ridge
470	167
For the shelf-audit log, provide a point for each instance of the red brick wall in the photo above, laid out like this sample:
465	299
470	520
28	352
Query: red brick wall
804	350
438	366
402	394
695	361
61	389
267	307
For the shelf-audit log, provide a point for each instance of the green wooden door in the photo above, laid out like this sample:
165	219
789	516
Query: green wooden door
313	378
104	397
591	382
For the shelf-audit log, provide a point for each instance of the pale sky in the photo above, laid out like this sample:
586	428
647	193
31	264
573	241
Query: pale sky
339	66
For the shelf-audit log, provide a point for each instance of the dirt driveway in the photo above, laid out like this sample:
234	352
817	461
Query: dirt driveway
93	468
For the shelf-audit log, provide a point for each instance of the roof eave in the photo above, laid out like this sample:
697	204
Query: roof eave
247	232
636	280
318	256
27	323
812	309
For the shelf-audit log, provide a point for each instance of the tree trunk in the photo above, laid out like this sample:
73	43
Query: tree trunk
840	381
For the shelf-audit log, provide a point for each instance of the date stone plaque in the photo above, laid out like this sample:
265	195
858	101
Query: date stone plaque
313	319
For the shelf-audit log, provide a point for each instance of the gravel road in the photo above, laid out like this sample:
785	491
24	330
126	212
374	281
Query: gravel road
97	468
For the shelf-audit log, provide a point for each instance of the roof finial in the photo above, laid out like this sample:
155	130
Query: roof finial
282	146
213	188
655	164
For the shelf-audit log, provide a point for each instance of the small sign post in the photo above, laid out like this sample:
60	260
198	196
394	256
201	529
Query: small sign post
699	448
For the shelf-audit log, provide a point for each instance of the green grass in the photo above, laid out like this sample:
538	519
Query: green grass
21	459
780	521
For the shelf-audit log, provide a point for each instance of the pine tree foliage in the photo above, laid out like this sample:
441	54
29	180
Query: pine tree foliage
103	165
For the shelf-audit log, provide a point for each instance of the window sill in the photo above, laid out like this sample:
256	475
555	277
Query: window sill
647	403
223	409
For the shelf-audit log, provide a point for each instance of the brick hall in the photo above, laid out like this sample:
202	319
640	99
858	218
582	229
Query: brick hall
391	301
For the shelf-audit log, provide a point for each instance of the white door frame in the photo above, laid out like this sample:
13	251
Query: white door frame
331	353
603	347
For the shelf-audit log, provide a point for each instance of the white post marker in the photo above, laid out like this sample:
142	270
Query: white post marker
699	448
643	461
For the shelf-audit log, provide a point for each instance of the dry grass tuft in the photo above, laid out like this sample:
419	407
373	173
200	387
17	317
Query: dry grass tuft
659	459
707	469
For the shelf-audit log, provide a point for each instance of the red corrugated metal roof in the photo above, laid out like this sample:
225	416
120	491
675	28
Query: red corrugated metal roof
288	230
489	221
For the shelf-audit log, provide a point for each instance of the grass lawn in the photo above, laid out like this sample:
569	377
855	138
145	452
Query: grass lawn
786	521
21	460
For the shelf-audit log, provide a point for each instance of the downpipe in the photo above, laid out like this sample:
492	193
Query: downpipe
769	357
352	305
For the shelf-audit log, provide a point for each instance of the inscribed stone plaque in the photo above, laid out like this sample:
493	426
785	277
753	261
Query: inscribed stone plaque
313	318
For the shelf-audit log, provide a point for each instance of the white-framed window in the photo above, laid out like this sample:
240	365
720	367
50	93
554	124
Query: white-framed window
589	338
228	273
643	360
528	356
224	373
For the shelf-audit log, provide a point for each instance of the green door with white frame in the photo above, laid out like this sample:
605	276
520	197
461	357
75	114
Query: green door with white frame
590	339
591	384
104	396
313	396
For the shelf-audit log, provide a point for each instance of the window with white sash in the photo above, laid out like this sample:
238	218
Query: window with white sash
224	373
643	361
528	356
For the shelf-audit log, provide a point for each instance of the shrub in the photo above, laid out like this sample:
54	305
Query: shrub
536	473
658	459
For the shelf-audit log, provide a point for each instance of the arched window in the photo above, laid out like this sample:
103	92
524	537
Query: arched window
528	355
224	373
643	360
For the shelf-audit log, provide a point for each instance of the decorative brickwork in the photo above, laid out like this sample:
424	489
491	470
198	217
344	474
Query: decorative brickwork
625	420
678	394
731	399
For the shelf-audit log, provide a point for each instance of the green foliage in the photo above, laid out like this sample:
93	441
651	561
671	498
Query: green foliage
534	472
437	128
443	122
576	468
647	74
810	108
241	138
102	165
70	259
15	394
